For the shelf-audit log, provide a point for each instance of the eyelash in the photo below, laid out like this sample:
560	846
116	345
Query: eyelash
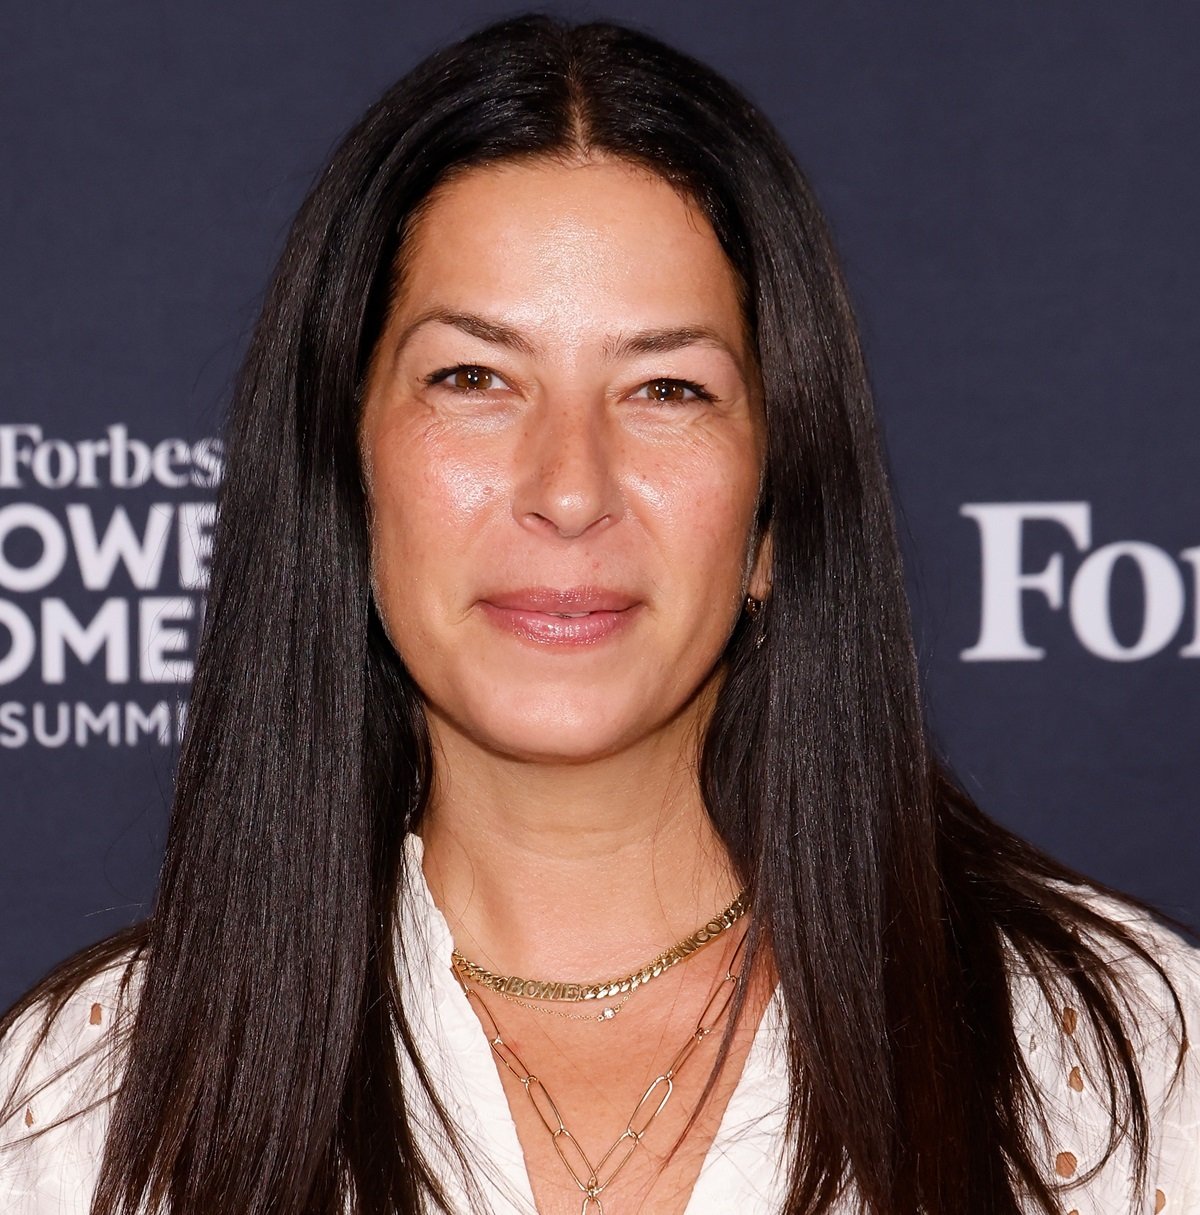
435	377
702	393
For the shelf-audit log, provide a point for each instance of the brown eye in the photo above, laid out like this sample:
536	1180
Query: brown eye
673	392
473	379
465	378
667	390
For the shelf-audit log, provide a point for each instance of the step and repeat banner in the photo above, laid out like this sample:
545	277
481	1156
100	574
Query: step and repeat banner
1014	190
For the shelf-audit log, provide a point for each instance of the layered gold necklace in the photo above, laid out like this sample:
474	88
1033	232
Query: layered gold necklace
593	1179
513	987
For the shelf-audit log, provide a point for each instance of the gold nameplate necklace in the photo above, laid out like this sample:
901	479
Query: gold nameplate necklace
512	987
594	1179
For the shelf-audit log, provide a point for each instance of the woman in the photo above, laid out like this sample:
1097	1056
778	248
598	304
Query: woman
556	826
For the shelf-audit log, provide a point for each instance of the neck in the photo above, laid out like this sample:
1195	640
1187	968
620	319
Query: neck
571	871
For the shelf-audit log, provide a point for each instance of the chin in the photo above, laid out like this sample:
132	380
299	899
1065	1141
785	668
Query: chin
530	723
574	721
567	740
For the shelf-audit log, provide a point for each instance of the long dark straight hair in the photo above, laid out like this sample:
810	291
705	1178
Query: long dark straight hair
262	1068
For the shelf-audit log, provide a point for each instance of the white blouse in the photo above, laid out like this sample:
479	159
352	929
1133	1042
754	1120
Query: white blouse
55	1173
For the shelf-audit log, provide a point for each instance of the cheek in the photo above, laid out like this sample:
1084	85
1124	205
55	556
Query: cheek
430	498
456	487
703	508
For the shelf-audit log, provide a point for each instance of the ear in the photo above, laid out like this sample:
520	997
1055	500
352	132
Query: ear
760	572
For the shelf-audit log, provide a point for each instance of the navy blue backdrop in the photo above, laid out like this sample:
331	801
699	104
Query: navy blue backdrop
1015	190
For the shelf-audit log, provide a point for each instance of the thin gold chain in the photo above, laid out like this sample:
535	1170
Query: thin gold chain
593	1179
537	989
607	1013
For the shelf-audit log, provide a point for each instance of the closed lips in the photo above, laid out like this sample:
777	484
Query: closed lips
562	618
567	602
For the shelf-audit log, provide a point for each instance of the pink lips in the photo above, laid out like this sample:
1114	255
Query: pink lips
579	615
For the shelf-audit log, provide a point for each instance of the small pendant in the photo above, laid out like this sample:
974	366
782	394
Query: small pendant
608	1014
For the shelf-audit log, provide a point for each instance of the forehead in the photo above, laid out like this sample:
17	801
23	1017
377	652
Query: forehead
569	248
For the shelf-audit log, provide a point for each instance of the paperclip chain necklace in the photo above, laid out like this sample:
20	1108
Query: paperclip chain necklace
592	1179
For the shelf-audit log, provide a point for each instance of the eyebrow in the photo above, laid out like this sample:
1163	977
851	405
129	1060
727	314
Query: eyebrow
478	326
641	341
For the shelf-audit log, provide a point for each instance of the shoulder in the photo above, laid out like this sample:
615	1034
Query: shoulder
1156	975
60	1063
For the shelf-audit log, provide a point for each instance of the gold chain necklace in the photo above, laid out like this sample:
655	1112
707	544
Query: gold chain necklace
512	986
605	1014
593	1179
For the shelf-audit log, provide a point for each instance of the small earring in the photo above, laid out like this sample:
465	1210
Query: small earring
753	607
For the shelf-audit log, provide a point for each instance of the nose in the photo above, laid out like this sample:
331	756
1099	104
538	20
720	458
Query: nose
566	483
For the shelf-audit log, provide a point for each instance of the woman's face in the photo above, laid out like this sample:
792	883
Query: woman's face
562	443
